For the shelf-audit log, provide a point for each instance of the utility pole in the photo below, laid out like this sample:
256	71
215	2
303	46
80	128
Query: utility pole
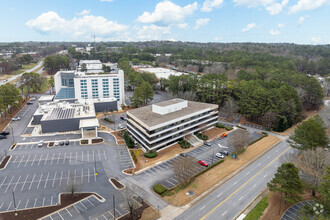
114	207
14	202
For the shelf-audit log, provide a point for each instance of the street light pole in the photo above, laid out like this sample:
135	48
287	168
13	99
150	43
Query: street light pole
114	207
12	133
14	202
95	163
212	157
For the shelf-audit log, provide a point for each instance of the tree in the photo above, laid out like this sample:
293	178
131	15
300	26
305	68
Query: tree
313	163
54	63
9	97
183	168
136	98
310	134
268	119
230	107
324	190
147	92
51	83
287	182
73	185
239	139
83	67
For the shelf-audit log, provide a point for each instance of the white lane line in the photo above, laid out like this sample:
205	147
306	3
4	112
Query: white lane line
70	157
27	202
24	182
46	159
9	184
82	175
51	162
67	182
17	182
88	155
40	159
95	174
75	175
247	173
32	181
90	202
51	200
76	157
35	156
219	195
54	180
43	201
83	205
61	179
35	203
46	181
19	202
20	162
64	157
26	146
39	180
1	206
60	215
235	183
68	212
224	213
27	160
88	175
76	209
241	198
203	207
110	214
15	159
105	156
254	185
9	205
3	181
277	150
268	157
82	156
99	155
259	164
119	211
265	175
58	158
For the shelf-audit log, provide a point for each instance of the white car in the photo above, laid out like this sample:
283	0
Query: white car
57	143
16	119
219	155
41	143
32	98
120	127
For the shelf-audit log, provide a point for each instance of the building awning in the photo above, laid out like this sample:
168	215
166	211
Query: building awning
88	123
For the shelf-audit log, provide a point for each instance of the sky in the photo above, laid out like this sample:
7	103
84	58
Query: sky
264	21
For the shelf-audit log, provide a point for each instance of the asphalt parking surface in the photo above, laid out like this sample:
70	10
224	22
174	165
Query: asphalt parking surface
118	122
124	158
294	211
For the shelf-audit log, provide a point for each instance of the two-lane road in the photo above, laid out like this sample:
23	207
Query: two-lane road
227	201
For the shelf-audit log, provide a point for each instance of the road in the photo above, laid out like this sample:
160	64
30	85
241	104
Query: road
227	201
19	75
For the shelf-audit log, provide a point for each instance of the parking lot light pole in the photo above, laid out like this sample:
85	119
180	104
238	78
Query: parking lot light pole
95	164
212	157
14	202
12	133
114	207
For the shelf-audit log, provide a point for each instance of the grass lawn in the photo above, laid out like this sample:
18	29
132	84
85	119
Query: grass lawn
24	67
257	211
44	88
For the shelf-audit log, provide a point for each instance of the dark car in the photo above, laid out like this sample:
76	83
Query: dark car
183	154
29	103
4	133
3	137
224	152
61	143
66	142
122	118
207	144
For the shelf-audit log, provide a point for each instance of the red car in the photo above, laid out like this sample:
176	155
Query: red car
203	163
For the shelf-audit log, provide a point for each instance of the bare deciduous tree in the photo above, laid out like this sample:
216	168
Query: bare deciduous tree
239	139
182	168
188	95
268	119
230	107
73	185
3	154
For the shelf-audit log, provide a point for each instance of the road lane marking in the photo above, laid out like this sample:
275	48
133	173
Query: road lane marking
203	207
245	183
224	213
32	181
24	182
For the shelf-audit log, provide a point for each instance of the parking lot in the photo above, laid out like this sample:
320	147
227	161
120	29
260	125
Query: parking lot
118	122
205	153
30	146
124	158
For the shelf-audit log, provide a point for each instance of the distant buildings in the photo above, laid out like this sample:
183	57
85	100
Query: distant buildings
92	66
161	72
161	125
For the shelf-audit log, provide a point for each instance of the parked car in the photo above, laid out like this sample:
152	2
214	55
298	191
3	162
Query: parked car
224	152
120	127
183	154
3	136
224	135
207	144
32	98
4	133
57	143
203	163
41	143
61	143
219	155
122	118
29	103
67	142
16	119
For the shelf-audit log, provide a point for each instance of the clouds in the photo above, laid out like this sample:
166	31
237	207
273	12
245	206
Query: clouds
249	27
106	0
316	40
84	12
274	32
306	5
208	5
276	8
77	27
302	19
201	22
167	12
152	32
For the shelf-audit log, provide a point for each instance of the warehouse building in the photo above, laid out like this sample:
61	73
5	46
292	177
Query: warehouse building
161	125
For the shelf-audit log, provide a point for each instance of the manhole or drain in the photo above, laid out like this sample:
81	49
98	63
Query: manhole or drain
190	193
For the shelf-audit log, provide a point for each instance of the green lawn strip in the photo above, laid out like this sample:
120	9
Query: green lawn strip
258	210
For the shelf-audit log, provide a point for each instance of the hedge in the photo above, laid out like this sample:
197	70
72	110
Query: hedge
184	144
160	189
108	120
151	155
128	140
241	127
133	156
202	136
223	126
264	134
209	167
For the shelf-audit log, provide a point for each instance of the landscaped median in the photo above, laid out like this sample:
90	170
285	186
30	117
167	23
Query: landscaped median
210	177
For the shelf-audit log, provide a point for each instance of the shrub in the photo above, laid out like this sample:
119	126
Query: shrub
151	155
223	126
209	167
202	136
128	140
160	189
184	144
108	120
133	156
241	127
264	134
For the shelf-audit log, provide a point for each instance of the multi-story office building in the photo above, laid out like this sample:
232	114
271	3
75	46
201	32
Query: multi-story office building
163	124
102	87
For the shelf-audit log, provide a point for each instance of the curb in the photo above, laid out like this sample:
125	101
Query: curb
10	156
115	185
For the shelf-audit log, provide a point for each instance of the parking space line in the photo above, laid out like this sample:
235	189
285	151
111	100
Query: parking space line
64	157
75	175
88	155
105	156
9	205
99	155
3	181
82	175
110	214
95	174
60	215
90	202
39	180
82	156
19	202
35	202
88	175
20	161
51	200
24	182
51	162
61	178
70	157
83	205
43	201
32	181
40	159
26	146
76	209
76	157
58	158
54	180
9	184
67	182
46	181
15	159
27	160
35	156
119	211
1	205
31	146
46	159
104	217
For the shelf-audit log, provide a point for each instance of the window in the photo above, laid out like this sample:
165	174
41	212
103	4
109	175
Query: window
71	83
105	84
64	82
83	89
116	89
95	89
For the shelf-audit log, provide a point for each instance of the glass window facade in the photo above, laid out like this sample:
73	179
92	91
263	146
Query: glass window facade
83	88
105	85
116	93
95	89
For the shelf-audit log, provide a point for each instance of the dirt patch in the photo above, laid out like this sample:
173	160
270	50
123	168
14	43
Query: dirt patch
35	213
4	162
150	214
51	144
98	140
272	211
213	176
137	212
214	133
162	156
120	140
84	142
13	146
116	183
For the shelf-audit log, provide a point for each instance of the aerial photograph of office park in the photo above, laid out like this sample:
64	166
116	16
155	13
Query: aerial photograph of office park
165	109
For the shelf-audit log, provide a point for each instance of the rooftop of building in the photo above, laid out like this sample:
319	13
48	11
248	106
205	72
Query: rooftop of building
65	110
90	62
148	118
161	72
46	98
